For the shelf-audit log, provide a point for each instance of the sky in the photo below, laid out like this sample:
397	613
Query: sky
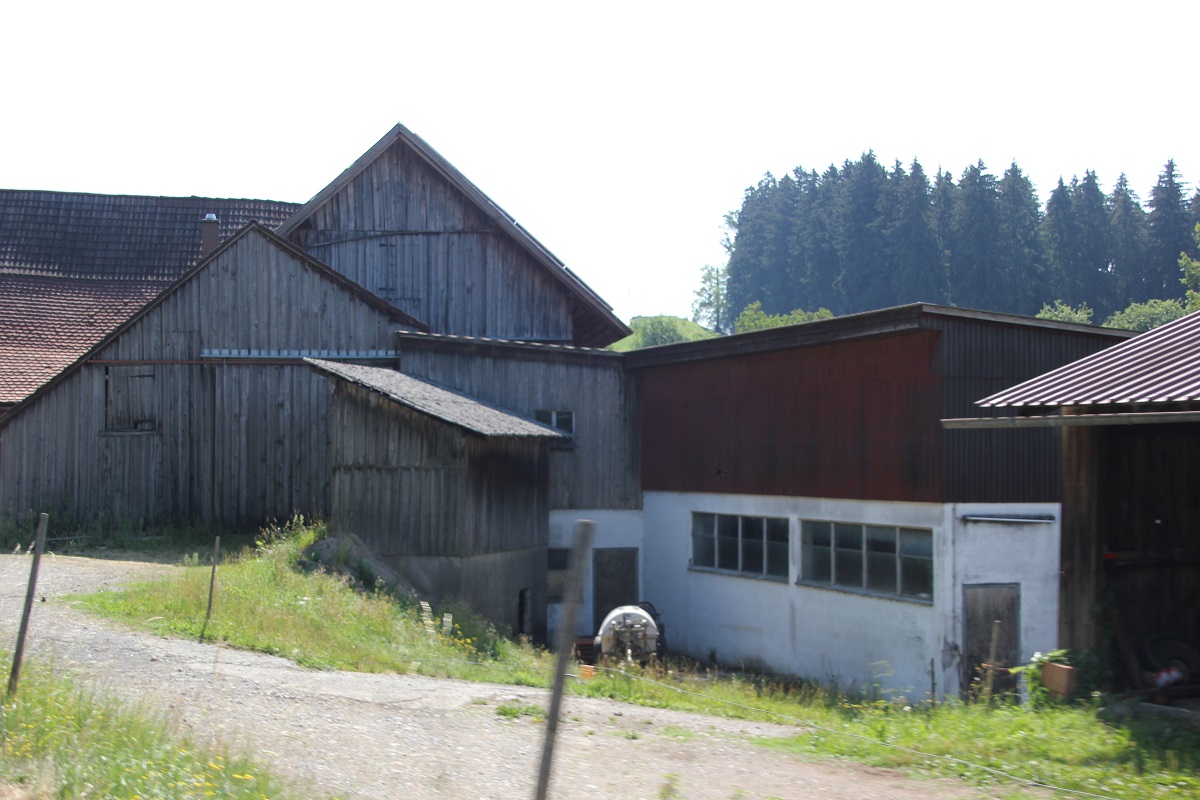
619	134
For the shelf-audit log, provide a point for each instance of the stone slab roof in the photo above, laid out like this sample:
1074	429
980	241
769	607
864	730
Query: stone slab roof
450	407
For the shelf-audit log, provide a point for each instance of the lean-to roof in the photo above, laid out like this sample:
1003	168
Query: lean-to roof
426	398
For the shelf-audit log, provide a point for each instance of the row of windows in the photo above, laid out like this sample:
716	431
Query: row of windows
746	545
881	559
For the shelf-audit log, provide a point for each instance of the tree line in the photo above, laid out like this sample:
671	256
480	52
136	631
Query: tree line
863	237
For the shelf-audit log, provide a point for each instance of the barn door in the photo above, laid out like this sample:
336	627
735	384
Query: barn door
614	580
983	604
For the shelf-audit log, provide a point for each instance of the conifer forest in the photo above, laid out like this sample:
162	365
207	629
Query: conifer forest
864	237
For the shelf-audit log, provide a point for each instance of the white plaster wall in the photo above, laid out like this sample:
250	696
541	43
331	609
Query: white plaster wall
1026	553
819	633
613	529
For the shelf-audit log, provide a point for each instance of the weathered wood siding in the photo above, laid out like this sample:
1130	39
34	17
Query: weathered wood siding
601	470
407	234
149	429
1131	513
411	485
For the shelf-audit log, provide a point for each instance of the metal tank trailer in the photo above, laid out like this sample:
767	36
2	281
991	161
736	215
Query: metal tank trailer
631	633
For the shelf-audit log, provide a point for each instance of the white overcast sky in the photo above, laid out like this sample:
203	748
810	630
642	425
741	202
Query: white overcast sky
619	134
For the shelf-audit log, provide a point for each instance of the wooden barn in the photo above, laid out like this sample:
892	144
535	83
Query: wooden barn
200	405
805	511
1129	421
75	266
409	227
594	471
448	489
202	408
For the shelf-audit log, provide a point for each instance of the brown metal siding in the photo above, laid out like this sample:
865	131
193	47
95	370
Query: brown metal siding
979	357
856	419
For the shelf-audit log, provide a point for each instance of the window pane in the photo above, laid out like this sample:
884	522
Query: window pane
816	552
848	555
752	545
881	559
727	542
565	422
916	563
777	547
916	578
881	540
544	417
914	542
881	572
704	540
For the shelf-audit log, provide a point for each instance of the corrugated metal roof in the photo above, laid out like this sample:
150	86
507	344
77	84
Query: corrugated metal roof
456	409
1159	366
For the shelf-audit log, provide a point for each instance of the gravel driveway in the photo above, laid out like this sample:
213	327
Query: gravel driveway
352	735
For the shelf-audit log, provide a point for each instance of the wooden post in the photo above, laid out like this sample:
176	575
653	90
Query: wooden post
991	664
573	596
212	585
932	684
43	522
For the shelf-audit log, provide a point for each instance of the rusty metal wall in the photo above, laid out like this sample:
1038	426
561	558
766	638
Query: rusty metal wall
850	419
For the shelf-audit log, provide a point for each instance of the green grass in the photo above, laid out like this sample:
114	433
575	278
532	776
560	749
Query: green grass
57	741
264	603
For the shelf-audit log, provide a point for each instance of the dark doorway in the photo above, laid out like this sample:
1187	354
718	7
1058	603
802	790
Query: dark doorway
983	605
614	580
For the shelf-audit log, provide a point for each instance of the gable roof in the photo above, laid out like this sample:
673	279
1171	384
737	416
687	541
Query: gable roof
47	322
74	266
372	300
426	398
116	237
593	318
1159	366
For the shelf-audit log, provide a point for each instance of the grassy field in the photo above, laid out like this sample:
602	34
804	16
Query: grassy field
264	603
57	741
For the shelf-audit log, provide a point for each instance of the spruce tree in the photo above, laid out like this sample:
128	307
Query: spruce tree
1091	214
1127	245
1019	255
1060	237
974	236
1170	233
914	257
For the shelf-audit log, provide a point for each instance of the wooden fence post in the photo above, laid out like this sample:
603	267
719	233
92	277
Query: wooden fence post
212	586
566	636
40	542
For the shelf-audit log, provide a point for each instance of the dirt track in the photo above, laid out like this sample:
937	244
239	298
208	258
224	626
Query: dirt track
352	735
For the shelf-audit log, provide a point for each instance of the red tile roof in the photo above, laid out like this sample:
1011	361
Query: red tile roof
46	323
1159	366
75	266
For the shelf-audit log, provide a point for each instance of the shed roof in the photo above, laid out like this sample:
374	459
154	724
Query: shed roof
1159	366
886	321
456	409
594	318
116	237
